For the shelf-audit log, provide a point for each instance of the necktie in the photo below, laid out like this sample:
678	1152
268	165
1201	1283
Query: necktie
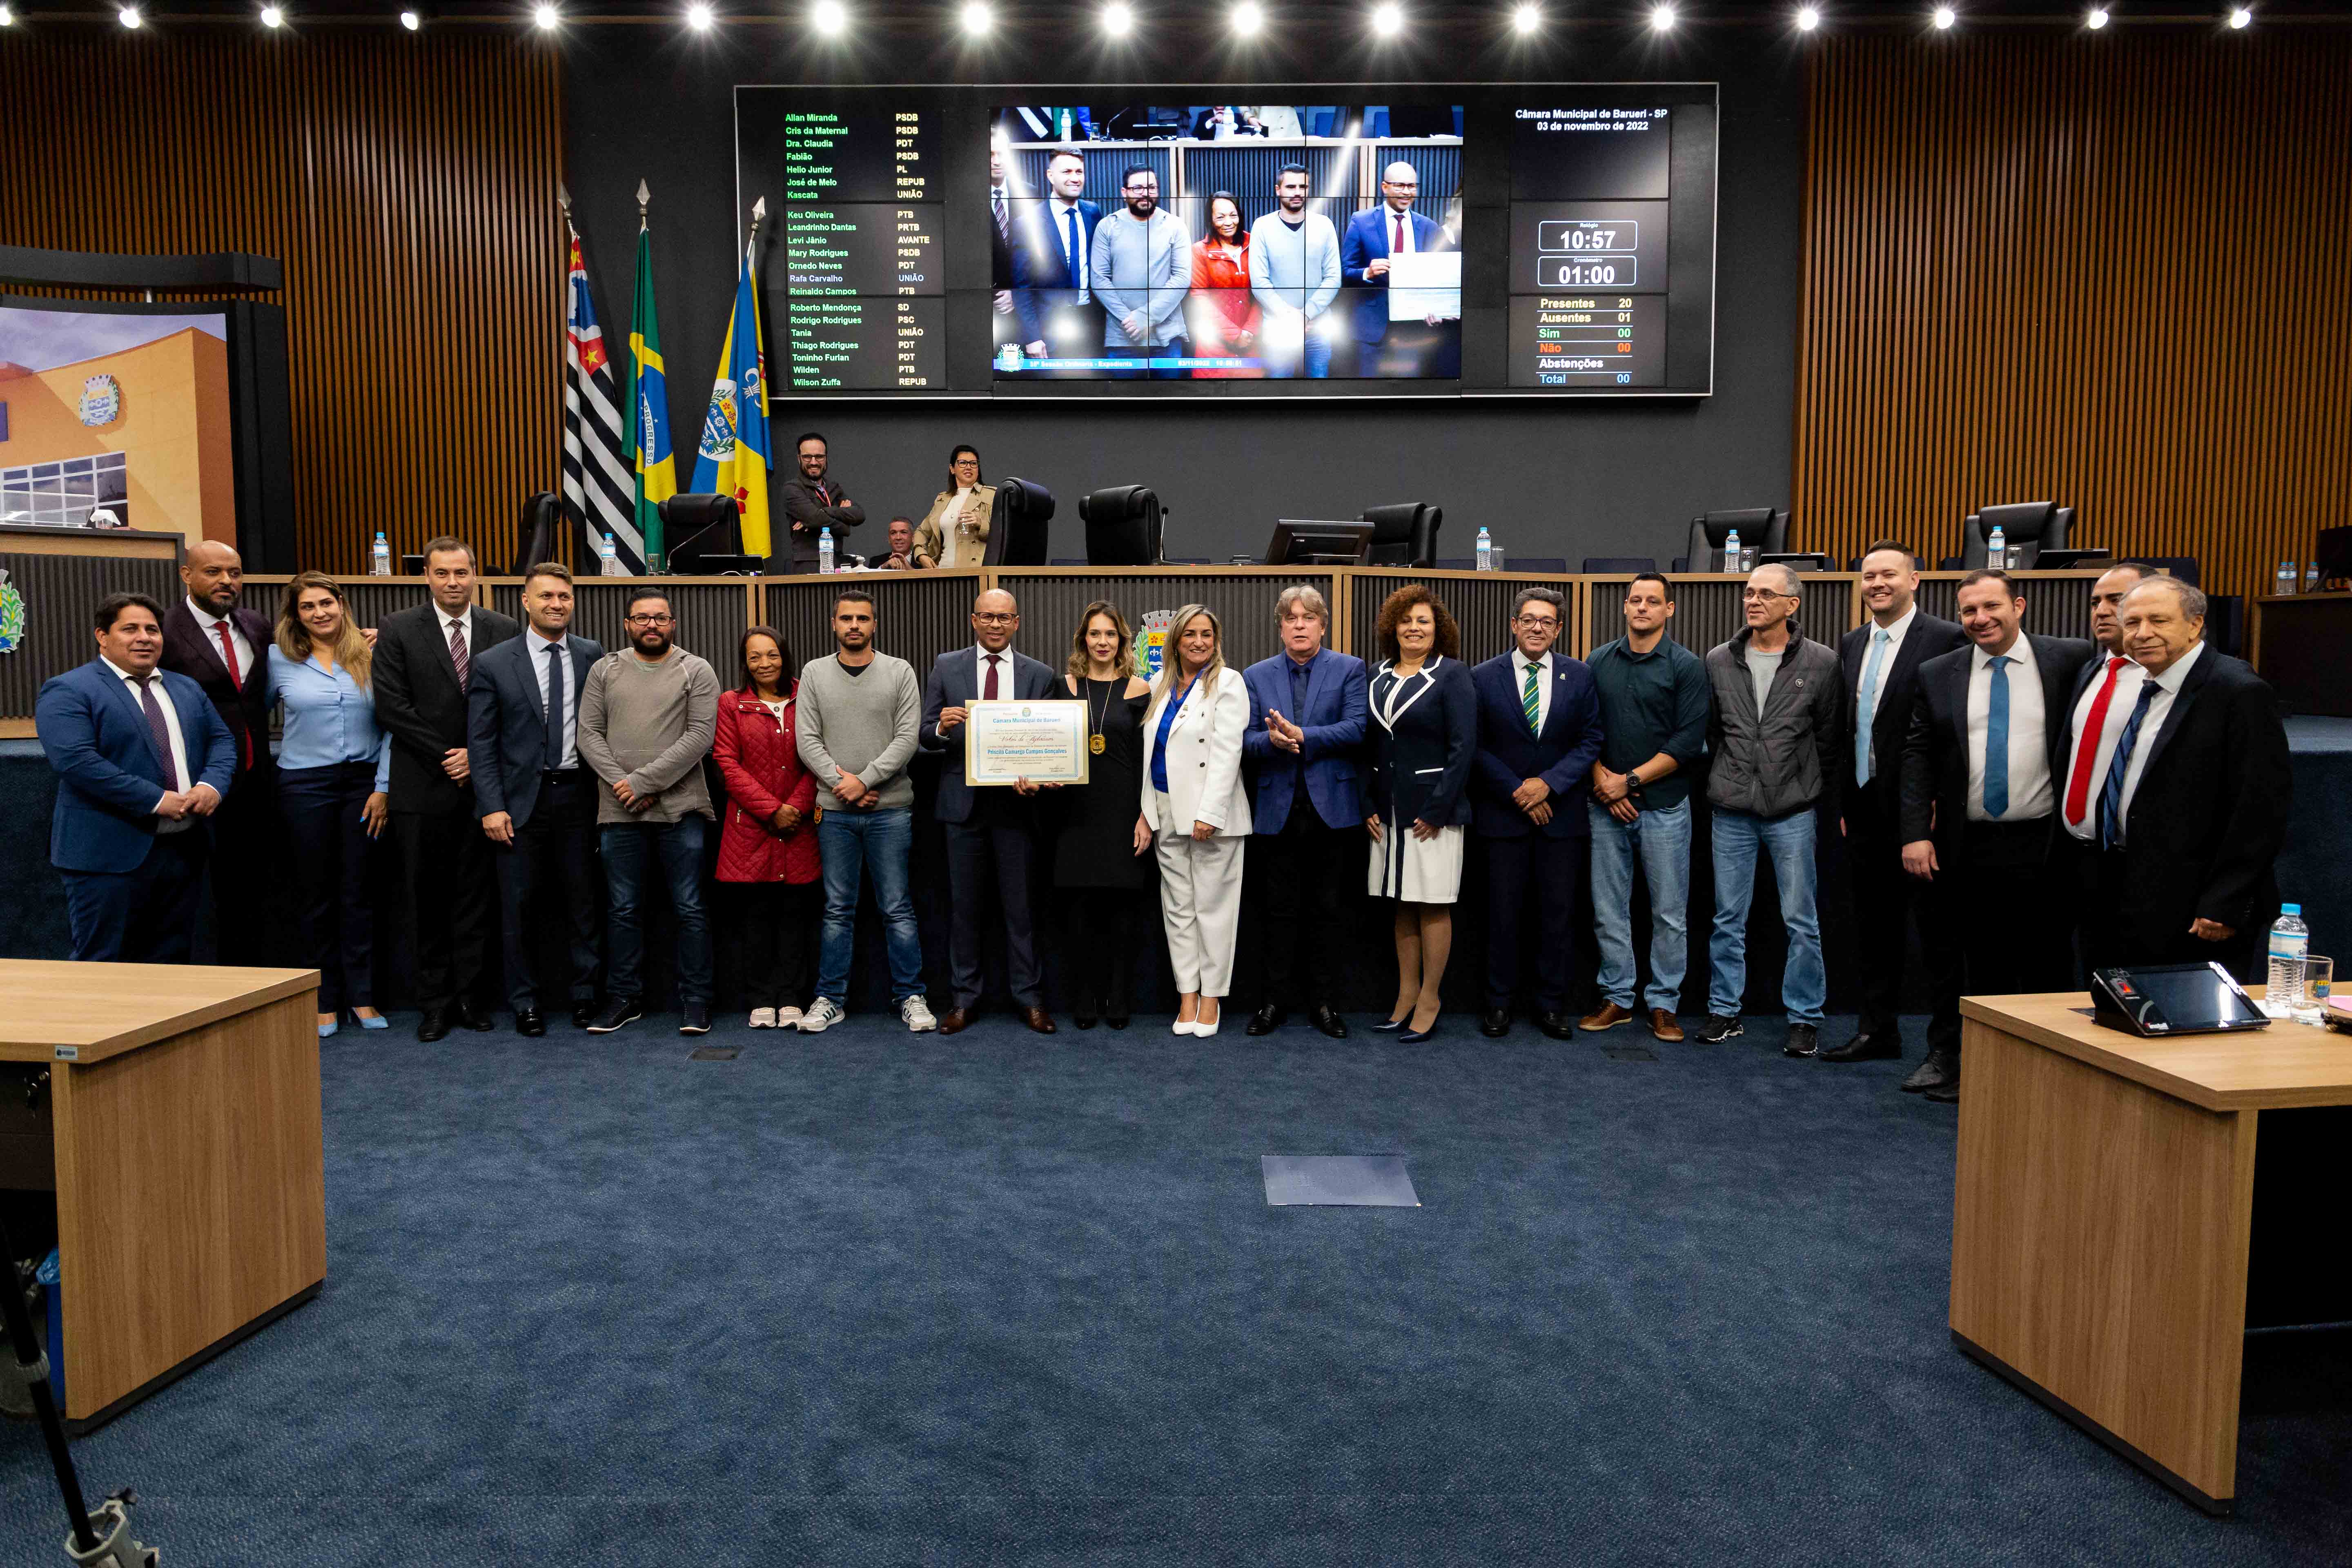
459	657
554	706
1866	705
996	205
2111	798
2086	751
988	687
236	679
1531	703
1996	766
158	730
1396	247
1073	255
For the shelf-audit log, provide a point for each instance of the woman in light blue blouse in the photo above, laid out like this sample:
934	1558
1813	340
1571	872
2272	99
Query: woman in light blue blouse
333	765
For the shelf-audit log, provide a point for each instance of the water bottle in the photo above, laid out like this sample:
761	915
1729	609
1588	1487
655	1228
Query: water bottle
2286	579
609	558
2290	940
1997	550
1065	125
824	549
1731	551
380	559
2311	577
1485	551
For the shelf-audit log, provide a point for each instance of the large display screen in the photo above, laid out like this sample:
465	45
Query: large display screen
1534	239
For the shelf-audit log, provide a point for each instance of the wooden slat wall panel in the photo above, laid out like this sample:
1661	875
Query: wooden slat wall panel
2105	270
408	184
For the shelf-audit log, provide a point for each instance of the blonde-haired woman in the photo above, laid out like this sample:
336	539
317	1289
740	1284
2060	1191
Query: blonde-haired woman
333	770
1196	807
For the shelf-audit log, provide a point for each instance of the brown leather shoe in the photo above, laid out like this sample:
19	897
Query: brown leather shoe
1665	1024
1609	1017
954	1020
1038	1019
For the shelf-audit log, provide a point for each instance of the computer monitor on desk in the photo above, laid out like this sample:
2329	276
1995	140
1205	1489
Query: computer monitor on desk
1302	542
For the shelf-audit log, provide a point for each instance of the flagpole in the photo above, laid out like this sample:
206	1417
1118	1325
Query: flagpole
571	237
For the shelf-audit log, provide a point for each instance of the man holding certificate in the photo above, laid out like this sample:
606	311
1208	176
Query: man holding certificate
990	829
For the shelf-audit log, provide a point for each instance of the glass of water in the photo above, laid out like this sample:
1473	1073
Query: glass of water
2319	973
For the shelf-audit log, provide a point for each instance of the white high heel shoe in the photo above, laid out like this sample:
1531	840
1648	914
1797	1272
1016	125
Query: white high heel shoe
1183	1026
1203	1031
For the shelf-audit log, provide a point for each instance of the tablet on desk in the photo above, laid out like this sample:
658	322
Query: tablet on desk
2166	999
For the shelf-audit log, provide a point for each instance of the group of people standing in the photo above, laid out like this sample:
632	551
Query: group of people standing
2012	793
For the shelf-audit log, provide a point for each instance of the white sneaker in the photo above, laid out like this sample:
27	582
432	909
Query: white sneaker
788	1018
764	1017
822	1013
918	1014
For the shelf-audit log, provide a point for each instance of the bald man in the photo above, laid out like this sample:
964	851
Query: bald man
1373	240
210	638
990	829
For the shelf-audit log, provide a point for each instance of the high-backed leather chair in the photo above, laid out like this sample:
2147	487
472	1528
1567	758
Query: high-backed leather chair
1017	524
2028	528
1123	526
538	531
1404	534
1762	529
696	525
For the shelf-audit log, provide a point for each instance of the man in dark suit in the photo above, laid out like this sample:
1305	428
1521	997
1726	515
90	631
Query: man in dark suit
1538	735
1985	747
1051	243
2193	804
210	639
1880	662
424	672
1307	710
813	501
991	830
141	760
536	801
1373	240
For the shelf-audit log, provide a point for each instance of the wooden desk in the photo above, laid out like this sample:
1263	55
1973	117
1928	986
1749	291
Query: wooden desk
190	1172
2101	1216
2302	647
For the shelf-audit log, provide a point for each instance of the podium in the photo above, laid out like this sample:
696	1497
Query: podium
189	1167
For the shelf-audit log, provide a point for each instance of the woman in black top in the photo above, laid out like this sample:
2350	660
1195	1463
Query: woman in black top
1099	843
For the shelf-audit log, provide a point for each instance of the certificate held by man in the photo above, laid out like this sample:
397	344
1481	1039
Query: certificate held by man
1043	742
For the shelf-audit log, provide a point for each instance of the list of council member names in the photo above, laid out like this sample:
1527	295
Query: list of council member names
864	281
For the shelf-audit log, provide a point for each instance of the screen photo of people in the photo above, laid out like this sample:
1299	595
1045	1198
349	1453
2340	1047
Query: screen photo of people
1208	242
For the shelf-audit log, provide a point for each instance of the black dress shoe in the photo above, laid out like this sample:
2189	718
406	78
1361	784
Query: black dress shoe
1876	1045
434	1026
531	1022
583	1014
1941	1068
1268	1019
1943	1093
1331	1023
1083	1020
1558	1026
475	1019
1494	1022
1116	1020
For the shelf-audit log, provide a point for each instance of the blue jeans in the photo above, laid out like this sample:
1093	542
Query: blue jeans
855	844
1315	353
1662	838
1804	986
678	846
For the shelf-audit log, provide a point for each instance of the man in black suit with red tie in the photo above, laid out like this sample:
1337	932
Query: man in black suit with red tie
1881	660
1986	745
212	640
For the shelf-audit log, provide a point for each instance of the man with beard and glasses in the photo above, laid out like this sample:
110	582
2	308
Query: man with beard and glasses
648	715
1294	271
212	640
813	499
1142	269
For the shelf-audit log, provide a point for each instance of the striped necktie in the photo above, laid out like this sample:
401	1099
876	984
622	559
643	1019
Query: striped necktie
2111	798
1532	704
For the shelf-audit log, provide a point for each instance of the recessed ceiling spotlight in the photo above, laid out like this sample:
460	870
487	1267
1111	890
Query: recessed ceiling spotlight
1388	19
411	20
698	18
1807	18
1248	17
977	18
2096	19
1526	19
2241	17
1662	17
547	17
830	17
130	17
1118	19
272	18
1944	18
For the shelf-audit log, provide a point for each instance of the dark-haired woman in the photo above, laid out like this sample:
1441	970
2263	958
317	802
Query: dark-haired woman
333	772
1225	313
1424	733
953	535
1101	859
767	847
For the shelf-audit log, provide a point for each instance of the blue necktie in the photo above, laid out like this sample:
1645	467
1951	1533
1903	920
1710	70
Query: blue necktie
1077	267
1995	771
554	707
1866	715
2111	798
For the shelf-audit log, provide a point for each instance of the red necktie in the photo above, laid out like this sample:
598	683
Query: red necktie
2086	752
228	657
988	688
1397	247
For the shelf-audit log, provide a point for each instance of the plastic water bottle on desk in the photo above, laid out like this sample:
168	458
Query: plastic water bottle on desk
2290	940
2311	577
1997	550
380	557
2286	580
1485	551
1731	551
824	549
608	558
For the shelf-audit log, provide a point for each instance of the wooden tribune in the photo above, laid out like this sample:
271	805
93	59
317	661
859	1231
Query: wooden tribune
190	1172
2102	1214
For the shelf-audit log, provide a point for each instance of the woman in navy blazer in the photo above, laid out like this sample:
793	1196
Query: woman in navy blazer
1424	733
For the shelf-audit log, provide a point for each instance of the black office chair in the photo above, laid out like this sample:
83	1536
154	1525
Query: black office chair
1762	529
1617	563
1017	524
1553	563
1404	534
702	532
538	531
2028	528
2184	568
1123	526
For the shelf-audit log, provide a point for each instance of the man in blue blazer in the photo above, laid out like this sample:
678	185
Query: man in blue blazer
991	831
1307	710
1538	733
1052	241
1373	238
141	759
535	800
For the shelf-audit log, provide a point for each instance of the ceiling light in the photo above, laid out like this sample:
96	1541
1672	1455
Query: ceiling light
411	20
547	17
2241	17
1388	19
1944	18
1248	17
1118	19
1662	17
272	18
830	17
129	17
7	17
977	17
1807	18
2096	19
699	18
1526	19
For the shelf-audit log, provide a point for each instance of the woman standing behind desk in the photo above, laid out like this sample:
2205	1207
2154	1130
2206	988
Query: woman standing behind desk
1099	842
953	535
1424	732
1197	805
333	770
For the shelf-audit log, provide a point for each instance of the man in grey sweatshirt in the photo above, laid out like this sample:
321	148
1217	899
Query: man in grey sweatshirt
856	732
1294	273
1141	268
647	714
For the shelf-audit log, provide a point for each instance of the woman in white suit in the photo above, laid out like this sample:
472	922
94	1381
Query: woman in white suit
1196	811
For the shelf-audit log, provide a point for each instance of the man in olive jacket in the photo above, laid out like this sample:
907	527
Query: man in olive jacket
1775	733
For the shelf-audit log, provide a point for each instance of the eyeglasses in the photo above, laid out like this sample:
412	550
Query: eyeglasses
1757	595
647	621
994	620
1534	622
967	462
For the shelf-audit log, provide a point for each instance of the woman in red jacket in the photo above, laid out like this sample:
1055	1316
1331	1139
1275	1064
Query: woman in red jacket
1225	313
767	850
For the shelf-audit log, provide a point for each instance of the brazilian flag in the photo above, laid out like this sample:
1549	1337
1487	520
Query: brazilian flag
647	401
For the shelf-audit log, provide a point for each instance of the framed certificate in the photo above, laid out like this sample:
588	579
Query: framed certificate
1043	741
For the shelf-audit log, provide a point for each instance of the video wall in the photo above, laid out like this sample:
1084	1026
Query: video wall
1540	239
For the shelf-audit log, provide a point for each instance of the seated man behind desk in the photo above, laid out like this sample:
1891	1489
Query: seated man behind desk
141	758
813	501
901	557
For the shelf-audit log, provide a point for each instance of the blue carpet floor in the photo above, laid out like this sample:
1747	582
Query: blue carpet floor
868	1298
